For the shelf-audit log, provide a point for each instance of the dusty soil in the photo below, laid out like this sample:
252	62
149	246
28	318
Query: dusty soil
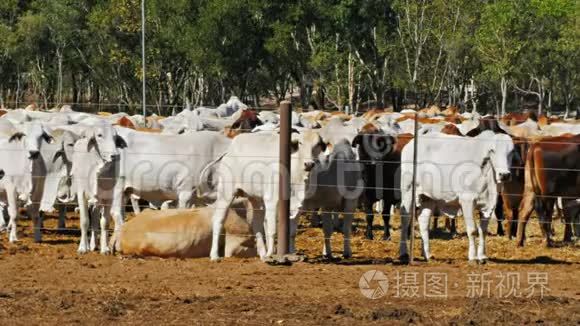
49	283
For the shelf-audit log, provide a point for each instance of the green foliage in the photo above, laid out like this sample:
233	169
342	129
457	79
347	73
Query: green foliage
350	50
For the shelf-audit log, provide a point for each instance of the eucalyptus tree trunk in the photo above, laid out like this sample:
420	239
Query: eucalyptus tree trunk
59	82
351	83
503	87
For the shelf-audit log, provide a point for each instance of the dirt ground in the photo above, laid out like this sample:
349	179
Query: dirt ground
49	283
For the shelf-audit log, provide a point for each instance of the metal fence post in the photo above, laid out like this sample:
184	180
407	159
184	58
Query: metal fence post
284	178
414	190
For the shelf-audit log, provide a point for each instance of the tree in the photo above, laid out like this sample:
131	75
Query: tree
498	42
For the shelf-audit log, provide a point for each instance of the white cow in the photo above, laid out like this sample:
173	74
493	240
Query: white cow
182	122
227	109
333	185
250	169
24	173
95	170
454	173
160	168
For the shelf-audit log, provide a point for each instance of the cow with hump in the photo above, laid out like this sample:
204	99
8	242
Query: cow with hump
95	171
250	169
380	160
454	173
25	170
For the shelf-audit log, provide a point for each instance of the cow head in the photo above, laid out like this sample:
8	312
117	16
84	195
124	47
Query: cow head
500	150
33	136
65	152
373	145
105	140
307	148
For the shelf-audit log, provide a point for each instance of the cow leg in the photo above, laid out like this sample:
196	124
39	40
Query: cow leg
387	221
135	204
327	228
424	218
184	199
115	208
435	223
270	220
510	226
569	211
347	228
84	223
482	230
499	215
13	213
105	218
219	216
62	216
256	220
525	211
370	216
545	209
293	230
2	220
513	223
258	229
36	218
453	228
94	213
403	248
467	208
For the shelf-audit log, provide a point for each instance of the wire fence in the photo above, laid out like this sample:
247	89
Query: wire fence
261	158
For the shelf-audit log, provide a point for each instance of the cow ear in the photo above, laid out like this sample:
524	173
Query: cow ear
294	145
17	136
120	142
59	153
47	138
357	141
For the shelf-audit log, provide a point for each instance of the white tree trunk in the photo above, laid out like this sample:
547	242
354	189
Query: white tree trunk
503	95
59	87
351	83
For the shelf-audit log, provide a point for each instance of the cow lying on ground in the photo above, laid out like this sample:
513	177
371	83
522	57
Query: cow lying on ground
185	233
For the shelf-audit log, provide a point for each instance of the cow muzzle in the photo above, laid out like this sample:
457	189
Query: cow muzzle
112	157
2	174
308	166
33	155
504	176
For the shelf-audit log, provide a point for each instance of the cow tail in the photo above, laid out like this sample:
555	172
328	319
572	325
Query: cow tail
537	172
206	182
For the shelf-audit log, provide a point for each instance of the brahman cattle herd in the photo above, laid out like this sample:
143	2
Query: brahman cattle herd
210	176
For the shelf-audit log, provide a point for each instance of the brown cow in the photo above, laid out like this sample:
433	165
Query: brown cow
247	121
451	111
125	122
515	118
511	193
185	233
552	170
451	129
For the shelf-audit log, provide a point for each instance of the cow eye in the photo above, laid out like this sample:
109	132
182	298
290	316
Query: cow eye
100	135
70	145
